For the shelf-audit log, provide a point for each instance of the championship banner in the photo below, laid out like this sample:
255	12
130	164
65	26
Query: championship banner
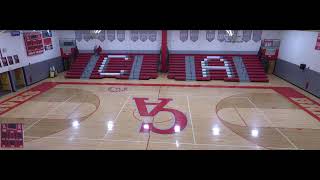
78	35
134	35
111	35
121	35
143	35
183	35
221	35
194	35
102	36
86	36
247	35
256	36
153	36
210	34
318	42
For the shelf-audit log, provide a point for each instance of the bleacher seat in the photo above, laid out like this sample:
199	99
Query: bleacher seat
78	66
253	66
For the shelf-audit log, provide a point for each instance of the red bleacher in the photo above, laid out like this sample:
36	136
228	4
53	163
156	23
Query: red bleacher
177	67
254	68
95	74
115	65
149	67
78	66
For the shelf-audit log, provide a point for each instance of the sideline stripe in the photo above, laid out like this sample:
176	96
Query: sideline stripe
287	92
24	96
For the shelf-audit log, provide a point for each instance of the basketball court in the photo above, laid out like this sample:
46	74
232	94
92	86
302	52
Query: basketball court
159	90
163	114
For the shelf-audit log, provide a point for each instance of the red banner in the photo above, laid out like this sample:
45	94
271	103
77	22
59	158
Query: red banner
318	42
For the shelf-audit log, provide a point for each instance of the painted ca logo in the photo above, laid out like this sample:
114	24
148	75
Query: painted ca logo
180	120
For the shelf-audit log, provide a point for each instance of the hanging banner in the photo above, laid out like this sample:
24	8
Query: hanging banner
256	36
86	36
210	35
111	35
247	35
183	35
318	42
153	36
121	35
101	36
194	35
221	34
78	35
134	35
143	35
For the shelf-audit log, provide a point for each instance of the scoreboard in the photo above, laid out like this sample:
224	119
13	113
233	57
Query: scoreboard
11	135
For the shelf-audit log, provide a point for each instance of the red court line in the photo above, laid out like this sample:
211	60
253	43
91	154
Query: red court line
168	85
287	92
291	93
43	87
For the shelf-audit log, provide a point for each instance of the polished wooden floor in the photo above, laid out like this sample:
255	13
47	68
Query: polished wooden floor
164	114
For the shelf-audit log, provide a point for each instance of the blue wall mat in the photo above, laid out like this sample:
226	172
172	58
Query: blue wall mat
13	82
39	71
293	74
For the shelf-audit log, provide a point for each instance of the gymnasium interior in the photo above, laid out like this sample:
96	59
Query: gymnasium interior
160	89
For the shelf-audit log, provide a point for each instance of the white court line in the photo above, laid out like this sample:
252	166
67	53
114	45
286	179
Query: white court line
124	104
261	111
277	148
194	139
167	95
48	113
156	142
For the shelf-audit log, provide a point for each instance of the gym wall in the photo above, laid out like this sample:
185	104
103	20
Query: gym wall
298	47
36	66
112	44
203	44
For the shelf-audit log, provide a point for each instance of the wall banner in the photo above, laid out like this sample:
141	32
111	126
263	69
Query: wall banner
318	42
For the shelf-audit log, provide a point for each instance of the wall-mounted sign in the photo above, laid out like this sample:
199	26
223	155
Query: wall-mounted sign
318	42
10	59
16	58
46	34
47	44
4	61
34	43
